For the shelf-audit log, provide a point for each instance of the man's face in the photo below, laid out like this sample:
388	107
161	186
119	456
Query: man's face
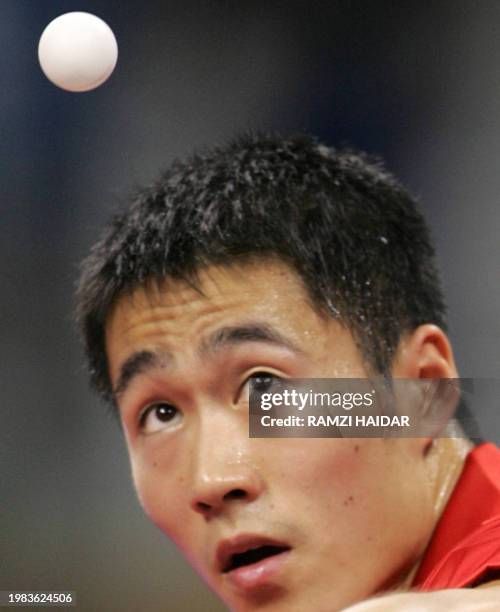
333	520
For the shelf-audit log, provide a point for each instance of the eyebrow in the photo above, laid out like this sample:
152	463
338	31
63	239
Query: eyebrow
136	364
238	334
142	361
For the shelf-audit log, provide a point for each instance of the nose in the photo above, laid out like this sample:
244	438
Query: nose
224	469
215	494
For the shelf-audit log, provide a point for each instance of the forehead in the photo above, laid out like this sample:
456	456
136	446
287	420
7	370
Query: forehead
265	289
176	319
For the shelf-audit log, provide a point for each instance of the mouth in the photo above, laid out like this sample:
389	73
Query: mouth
251	561
253	555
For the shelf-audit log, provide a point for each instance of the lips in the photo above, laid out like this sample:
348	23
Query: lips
247	550
249	560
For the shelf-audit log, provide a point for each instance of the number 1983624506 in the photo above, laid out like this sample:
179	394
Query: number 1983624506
37	598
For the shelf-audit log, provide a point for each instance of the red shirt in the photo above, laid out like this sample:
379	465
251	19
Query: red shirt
465	547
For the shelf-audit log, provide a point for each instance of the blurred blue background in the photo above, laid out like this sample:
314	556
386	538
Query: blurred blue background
416	82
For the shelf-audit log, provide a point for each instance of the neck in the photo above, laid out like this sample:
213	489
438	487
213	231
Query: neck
445	460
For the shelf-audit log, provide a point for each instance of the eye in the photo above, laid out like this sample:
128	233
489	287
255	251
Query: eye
261	382
158	417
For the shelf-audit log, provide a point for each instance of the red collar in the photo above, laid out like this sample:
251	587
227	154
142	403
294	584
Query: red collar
475	499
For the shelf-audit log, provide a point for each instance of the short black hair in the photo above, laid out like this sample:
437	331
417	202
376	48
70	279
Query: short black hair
352	233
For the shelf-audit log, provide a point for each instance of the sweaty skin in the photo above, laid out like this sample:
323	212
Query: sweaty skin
354	514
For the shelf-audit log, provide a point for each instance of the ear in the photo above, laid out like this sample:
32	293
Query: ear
424	353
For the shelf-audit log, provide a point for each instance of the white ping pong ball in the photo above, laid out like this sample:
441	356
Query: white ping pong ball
77	51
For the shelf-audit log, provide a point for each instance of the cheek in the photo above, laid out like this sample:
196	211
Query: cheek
325	476
164	497
160	489
345	480
325	460
359	506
